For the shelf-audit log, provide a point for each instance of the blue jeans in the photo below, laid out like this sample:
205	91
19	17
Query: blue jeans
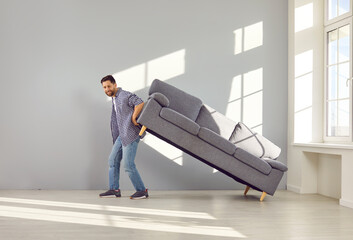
127	154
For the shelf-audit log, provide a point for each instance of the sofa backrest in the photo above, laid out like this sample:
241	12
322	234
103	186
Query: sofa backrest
215	121
179	100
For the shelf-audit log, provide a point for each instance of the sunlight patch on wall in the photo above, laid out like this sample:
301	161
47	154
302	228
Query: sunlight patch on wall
304	17
248	38
303	63
141	76
253	110
253	36
303	126
235	91
253	81
238	41
233	110
178	160
164	148
132	79
303	92
246	99
166	67
257	129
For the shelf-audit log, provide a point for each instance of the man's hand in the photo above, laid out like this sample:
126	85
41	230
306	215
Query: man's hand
134	121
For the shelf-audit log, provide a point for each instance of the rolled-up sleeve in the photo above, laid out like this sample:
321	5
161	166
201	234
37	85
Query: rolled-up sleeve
134	100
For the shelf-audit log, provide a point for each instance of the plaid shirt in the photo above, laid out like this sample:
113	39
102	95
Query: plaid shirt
123	105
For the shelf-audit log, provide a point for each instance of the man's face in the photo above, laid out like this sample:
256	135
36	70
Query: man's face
109	88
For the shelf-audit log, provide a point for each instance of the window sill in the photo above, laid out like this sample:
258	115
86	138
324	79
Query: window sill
324	145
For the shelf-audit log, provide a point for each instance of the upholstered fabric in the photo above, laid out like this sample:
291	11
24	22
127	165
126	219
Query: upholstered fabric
213	120
216	140
276	164
149	112
179	100
254	143
161	99
252	161
180	120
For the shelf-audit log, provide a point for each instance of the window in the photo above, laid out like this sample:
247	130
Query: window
338	71
337	10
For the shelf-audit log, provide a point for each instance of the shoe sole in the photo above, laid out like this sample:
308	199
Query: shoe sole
137	198
109	196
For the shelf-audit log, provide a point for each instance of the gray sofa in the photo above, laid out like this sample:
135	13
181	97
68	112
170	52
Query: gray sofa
185	122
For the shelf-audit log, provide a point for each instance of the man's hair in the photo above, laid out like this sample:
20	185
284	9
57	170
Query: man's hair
108	78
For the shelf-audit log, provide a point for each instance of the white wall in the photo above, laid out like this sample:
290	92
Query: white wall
55	117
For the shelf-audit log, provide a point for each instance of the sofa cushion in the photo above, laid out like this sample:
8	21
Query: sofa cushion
216	140
213	120
161	99
179	100
252	161
179	120
254	143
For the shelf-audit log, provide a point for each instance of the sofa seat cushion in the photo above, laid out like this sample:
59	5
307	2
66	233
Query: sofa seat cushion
252	161
216	140
179	120
276	164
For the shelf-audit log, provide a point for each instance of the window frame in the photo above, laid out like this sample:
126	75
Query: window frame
336	25
339	18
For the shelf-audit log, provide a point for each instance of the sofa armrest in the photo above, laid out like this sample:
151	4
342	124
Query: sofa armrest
150	111
161	99
276	164
252	161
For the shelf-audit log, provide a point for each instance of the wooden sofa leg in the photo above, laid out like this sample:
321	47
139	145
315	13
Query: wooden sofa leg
263	196
143	129
246	190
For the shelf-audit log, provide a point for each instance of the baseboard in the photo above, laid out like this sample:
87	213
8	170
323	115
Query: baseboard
293	188
346	203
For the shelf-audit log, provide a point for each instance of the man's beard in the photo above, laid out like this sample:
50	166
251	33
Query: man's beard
109	93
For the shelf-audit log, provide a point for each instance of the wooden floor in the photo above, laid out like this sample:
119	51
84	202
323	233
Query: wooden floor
39	214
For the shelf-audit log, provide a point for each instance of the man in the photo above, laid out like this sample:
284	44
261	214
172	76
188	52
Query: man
125	132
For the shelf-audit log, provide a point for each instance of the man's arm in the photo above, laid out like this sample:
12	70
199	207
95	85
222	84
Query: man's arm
137	111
